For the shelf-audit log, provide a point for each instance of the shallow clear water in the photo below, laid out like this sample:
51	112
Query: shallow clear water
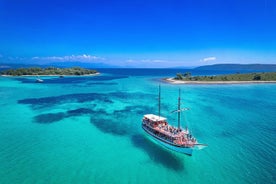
87	130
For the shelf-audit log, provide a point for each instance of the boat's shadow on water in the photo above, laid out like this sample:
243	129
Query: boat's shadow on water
157	153
48	118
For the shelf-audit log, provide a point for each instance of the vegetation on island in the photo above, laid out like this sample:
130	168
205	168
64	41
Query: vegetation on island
264	76
48	71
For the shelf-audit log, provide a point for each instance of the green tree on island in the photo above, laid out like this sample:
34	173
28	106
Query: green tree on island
264	76
180	76
48	71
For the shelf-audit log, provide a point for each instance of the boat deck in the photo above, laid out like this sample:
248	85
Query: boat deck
167	132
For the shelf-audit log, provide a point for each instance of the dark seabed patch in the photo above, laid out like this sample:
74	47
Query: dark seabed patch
49	118
51	101
157	153
109	126
55	117
117	123
138	110
56	100
134	96
79	112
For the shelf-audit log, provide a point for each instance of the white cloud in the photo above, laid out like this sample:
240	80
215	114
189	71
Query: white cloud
145	63
159	61
209	59
152	61
130	61
81	58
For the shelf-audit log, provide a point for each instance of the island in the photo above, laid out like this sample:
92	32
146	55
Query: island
49	71
187	78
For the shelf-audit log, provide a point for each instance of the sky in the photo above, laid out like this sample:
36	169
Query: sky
138	33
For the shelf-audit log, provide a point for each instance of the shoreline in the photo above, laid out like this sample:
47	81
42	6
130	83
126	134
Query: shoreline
51	75
173	81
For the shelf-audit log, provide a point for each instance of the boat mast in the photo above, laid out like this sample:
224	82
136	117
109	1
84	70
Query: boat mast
178	111
159	101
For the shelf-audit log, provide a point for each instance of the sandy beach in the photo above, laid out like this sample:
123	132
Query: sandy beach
173	81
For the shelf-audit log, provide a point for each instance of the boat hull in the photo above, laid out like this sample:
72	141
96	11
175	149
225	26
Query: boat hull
183	150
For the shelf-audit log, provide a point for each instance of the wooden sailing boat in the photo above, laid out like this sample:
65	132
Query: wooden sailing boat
173	138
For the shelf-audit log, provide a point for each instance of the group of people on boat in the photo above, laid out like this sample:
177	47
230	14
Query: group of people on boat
172	134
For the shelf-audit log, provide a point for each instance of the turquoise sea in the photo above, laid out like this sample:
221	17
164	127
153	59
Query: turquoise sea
88	130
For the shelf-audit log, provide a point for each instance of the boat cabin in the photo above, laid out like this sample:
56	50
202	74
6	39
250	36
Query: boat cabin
154	120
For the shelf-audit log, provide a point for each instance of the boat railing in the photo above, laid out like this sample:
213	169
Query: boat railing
177	140
167	132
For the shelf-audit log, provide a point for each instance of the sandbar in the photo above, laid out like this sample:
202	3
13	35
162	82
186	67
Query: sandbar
173	81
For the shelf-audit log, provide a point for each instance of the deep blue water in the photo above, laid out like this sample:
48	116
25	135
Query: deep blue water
169	72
